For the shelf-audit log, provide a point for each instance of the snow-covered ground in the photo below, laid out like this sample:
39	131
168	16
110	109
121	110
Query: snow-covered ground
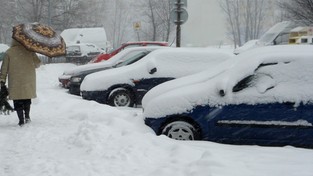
73	137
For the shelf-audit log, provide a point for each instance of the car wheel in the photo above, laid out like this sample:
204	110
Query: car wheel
180	130
121	98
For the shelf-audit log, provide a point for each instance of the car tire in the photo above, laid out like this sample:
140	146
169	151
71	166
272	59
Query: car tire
121	97
180	130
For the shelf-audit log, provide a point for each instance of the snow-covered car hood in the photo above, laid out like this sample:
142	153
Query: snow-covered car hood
204	88
172	62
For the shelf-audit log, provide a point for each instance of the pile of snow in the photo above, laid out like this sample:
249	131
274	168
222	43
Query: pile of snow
70	136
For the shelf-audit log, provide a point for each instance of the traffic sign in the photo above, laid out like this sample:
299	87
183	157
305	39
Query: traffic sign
137	25
183	15
173	3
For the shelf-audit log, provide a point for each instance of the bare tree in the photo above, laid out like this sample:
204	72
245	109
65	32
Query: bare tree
299	10
30	10
245	19
64	13
118	21
8	11
157	20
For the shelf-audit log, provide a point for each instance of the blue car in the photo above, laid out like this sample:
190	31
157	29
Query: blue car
261	97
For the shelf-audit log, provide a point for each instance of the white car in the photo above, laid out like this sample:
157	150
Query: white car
125	86
82	52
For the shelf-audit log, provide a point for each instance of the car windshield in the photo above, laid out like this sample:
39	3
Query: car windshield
278	29
132	59
73	48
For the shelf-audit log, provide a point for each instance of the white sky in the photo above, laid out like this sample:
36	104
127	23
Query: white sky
205	25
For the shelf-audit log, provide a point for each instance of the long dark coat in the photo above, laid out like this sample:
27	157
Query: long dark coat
19	65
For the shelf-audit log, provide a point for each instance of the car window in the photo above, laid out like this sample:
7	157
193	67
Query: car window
127	55
133	59
281	39
244	83
262	82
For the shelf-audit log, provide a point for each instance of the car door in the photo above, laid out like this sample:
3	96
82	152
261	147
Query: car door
257	121
267	122
305	123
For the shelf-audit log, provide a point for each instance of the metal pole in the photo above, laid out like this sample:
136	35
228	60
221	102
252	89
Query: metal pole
49	12
178	23
138	36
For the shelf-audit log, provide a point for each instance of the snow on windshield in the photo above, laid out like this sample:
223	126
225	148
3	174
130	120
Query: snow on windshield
172	62
292	75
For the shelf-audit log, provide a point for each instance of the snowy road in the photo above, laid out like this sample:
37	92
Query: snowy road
73	137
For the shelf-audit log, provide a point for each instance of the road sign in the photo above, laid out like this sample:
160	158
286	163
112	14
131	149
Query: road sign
183	15
173	3
137	25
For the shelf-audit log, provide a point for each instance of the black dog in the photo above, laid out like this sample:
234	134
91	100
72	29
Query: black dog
5	107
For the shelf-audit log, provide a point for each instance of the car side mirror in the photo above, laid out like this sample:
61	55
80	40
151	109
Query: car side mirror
153	70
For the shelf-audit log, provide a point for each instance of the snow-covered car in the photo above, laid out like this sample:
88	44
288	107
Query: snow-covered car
263	96
125	86
81	52
131	56
121	57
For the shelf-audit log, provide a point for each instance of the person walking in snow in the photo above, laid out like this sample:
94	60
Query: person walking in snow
19	65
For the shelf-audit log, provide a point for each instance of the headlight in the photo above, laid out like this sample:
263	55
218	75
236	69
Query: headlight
76	79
